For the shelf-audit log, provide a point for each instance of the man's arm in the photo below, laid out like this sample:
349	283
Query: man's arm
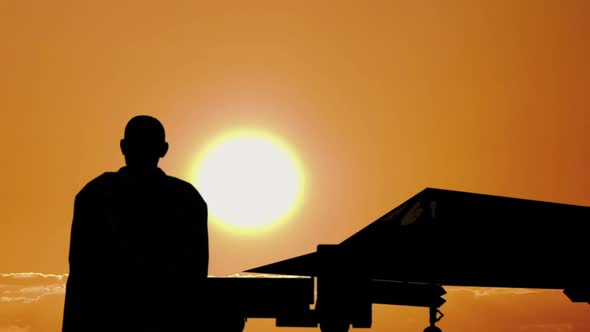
196	261
79	241
76	303
204	241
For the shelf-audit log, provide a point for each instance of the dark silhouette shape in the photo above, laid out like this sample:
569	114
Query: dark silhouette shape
139	248
443	237
234	299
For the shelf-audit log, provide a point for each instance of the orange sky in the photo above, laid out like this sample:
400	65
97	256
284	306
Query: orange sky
379	99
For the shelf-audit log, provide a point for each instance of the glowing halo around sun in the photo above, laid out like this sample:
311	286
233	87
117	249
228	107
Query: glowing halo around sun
250	180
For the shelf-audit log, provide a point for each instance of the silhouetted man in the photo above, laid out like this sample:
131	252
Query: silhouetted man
139	250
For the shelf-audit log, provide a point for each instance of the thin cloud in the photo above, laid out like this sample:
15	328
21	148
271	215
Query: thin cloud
488	291
30	287
254	275
33	275
7	325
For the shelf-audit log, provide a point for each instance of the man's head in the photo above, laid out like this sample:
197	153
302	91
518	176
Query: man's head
144	142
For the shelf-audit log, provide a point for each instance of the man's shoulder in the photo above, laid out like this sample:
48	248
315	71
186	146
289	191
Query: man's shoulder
113	181
182	186
99	183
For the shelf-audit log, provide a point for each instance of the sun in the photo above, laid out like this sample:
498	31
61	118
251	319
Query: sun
250	179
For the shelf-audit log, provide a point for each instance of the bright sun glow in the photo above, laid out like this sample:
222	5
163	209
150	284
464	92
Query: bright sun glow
250	180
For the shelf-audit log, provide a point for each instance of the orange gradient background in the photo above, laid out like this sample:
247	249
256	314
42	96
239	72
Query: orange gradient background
378	99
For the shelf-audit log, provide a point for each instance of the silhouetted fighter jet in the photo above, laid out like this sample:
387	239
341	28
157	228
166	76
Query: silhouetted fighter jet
443	237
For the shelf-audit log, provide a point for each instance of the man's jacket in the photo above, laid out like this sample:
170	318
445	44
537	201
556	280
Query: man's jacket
139	253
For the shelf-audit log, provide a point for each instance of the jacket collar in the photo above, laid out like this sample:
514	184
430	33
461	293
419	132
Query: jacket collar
126	170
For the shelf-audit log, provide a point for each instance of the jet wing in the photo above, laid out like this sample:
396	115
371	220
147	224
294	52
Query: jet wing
447	237
304	265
